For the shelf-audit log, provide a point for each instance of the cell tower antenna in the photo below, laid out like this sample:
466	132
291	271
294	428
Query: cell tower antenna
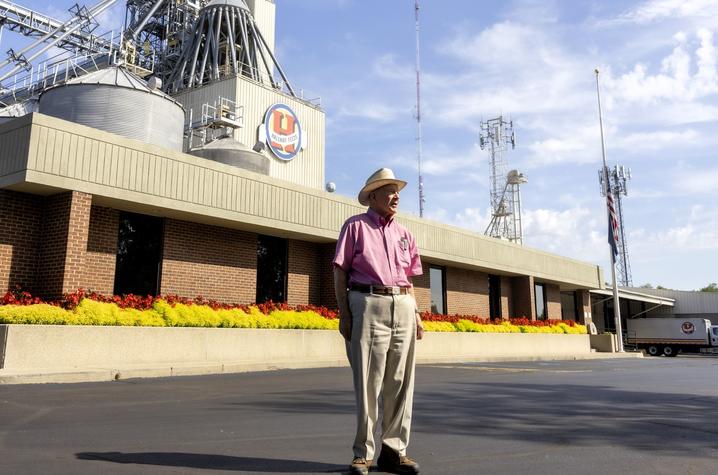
618	178
422	200
495	136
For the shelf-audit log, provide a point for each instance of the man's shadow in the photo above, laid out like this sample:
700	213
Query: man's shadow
213	462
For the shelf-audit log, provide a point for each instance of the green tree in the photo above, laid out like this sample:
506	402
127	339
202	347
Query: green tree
712	287
646	286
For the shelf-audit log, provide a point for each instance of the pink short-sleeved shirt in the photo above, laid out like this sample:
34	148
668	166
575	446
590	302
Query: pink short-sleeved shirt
374	251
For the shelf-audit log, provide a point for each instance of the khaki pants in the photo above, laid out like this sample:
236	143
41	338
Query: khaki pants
381	354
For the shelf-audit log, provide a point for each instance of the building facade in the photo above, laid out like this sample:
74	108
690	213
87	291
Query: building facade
84	208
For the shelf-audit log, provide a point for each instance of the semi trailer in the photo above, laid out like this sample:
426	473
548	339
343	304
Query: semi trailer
669	336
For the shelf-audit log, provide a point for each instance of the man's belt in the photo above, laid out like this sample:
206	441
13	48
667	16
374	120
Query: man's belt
379	289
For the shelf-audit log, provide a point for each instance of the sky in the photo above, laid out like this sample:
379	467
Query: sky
532	61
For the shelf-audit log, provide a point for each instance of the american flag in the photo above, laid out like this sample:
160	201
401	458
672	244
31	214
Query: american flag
612	223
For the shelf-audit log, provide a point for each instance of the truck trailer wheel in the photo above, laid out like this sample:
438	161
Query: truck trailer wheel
670	351
653	350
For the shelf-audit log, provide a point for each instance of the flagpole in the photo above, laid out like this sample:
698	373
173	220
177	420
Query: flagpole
606	189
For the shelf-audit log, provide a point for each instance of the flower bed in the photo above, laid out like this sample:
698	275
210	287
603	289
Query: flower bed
89	308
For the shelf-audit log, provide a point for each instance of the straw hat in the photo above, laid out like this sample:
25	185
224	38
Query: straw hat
381	177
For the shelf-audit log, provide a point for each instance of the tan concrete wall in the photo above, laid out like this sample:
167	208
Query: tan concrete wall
72	348
605	343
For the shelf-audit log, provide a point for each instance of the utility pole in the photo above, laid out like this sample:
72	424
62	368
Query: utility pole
422	200
612	228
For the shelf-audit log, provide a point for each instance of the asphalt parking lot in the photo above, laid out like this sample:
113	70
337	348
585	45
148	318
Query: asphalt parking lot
651	415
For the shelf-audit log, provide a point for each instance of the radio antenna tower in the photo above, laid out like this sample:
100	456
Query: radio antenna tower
422	200
496	134
618	178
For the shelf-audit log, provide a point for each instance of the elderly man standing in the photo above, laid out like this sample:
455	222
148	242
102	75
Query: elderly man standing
373	265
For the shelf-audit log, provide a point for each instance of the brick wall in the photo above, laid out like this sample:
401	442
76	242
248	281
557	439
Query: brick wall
217	263
467	292
101	254
303	272
553	301
522	289
78	227
20	215
65	225
507	299
422	288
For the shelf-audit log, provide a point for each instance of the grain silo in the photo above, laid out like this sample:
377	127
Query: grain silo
117	101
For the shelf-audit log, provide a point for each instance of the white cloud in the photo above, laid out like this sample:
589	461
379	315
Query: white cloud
441	160
693	181
655	10
677	80
646	193
387	67
655	140
374	111
572	232
474	219
578	144
510	68
691	236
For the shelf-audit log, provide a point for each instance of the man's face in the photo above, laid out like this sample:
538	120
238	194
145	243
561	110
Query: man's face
385	200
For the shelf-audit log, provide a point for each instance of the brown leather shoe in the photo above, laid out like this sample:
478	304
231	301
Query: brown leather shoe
390	461
359	466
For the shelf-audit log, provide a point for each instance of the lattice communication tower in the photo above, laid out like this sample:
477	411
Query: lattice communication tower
496	135
617	184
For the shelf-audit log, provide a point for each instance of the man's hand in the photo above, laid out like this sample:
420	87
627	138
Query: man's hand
345	327
419	328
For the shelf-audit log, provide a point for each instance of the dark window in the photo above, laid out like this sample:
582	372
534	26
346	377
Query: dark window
635	308
494	297
271	269
569	311
540	296
437	282
139	254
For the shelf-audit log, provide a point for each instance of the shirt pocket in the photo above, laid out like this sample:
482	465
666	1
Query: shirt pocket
403	256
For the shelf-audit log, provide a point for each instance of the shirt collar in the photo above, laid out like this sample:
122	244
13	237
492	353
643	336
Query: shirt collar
379	220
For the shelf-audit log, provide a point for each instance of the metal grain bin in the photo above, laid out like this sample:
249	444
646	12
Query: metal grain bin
117	101
231	152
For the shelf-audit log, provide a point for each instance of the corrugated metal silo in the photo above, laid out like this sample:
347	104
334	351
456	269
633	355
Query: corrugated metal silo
117	101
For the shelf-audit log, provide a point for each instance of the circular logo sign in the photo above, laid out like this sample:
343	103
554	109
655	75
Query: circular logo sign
688	328
283	131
